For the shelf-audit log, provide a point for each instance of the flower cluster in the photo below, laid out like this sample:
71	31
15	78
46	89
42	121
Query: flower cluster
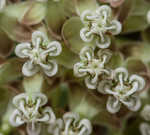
90	67
145	127
39	55
30	110
98	26
123	89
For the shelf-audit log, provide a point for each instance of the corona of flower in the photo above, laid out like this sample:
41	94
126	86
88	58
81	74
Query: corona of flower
72	125
90	67
98	26
29	110
39	54
123	89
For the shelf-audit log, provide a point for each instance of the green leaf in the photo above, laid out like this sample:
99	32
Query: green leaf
82	5
10	70
71	34
67	58
135	65
136	21
57	14
6	45
15	20
34	83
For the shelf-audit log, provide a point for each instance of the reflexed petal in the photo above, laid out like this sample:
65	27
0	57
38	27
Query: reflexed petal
29	69
145	129
139	80
89	84
84	15
117	27
133	103
104	9
104	54
22	50
85	126
87	53
148	16
52	70
33	129
103	85
113	104
41	96
40	35
105	43
77	68
18	98
116	3
121	70
2	4
57	48
48	116
15	119
83	35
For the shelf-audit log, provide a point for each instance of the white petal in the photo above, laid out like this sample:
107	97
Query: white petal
41	96
70	115
84	15
29	69
57	48
145	129
40	35
139	80
103	85
113	104
18	98
48	116
104	54
16	119
21	48
83	35
104	44
52	70
33	130
89	83
121	70
2	4
85	126
133	103
146	112
148	16
87	53
117	27
77	68
104	8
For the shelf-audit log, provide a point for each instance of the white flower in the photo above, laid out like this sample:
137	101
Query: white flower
99	25
29	109
145	129
123	90
148	16
2	4
91	68
38	54
146	112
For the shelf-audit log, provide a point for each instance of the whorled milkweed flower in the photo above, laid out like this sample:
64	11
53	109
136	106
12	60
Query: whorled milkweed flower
122	89
39	54
29	110
99	25
90	67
